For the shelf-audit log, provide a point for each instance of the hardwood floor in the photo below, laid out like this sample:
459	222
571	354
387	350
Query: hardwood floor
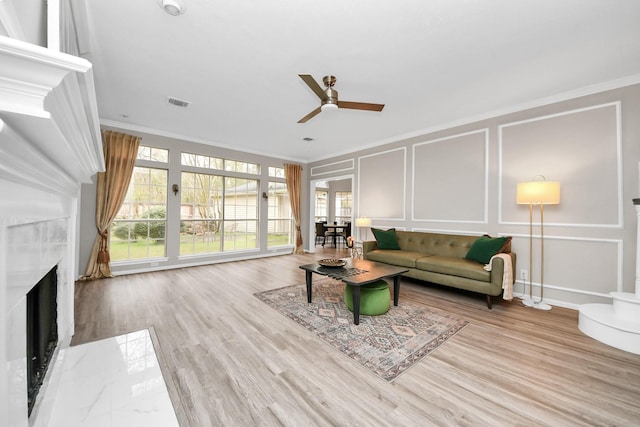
230	360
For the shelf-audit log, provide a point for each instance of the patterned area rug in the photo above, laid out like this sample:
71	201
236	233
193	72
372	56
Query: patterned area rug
388	345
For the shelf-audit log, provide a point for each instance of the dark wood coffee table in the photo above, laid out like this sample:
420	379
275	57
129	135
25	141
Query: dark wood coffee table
356	272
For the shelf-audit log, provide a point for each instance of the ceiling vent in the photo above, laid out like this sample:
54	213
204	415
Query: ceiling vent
178	102
306	138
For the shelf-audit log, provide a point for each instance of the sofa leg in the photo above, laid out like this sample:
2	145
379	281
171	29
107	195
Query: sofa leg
489	301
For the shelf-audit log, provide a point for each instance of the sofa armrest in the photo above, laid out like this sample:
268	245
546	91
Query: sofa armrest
368	246
497	269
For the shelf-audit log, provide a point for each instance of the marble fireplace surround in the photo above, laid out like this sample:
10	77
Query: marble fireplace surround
49	145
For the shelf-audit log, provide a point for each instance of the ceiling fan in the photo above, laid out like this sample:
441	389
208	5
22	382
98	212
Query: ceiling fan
329	97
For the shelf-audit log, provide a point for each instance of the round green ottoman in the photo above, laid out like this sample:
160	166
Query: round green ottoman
374	298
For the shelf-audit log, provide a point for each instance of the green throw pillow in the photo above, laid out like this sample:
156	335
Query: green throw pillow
485	247
386	238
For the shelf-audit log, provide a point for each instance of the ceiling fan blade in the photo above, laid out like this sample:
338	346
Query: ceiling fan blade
310	115
314	86
360	106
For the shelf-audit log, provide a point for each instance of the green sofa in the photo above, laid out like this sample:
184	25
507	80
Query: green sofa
440	258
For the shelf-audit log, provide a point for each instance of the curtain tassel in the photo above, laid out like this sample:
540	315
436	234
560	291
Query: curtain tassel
103	256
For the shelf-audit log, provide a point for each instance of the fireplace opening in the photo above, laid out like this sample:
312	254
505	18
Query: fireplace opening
42	331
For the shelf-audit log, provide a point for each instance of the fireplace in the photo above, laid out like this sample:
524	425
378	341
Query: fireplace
42	331
49	127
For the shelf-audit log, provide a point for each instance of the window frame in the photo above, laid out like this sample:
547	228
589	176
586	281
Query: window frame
143	161
225	222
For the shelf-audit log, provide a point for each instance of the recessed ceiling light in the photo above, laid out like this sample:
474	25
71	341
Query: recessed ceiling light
172	7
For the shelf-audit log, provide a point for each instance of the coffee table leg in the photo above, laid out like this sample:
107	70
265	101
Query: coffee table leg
396	289
309	286
356	304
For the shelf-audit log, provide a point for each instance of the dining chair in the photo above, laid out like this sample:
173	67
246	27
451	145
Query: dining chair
320	233
345	233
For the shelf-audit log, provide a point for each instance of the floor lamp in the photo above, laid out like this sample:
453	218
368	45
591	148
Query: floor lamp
537	193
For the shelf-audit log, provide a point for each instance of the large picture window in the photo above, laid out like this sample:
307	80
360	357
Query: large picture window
187	204
217	214
139	228
240	220
280	224
201	213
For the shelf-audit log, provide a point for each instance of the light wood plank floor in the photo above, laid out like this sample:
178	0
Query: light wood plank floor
230	360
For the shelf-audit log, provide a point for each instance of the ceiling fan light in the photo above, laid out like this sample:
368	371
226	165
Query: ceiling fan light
172	7
328	107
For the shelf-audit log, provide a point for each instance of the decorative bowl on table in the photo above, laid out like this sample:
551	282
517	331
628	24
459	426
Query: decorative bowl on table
332	262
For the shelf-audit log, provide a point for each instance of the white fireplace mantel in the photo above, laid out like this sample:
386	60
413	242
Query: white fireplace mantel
50	143
49	125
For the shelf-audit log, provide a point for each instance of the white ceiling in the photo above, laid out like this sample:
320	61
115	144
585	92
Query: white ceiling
434	63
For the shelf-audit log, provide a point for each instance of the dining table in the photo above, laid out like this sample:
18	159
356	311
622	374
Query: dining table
333	230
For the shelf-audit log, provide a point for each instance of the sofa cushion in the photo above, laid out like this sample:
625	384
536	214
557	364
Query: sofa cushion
454	267
400	258
485	247
386	238
450	245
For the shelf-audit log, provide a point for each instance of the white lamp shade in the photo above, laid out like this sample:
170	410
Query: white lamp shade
328	107
363	222
538	193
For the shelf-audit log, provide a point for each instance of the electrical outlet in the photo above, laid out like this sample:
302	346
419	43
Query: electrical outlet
524	274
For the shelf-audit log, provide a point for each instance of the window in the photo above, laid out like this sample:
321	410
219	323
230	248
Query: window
276	172
139	228
244	167
217	214
240	220
343	206
321	206
153	154
279	222
217	209
217	163
200	213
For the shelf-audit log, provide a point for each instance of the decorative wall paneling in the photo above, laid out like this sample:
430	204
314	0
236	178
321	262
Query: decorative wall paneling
580	148
572	265
382	177
450	179
335	167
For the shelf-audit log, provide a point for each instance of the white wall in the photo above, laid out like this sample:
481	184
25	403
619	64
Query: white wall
335	186
25	20
463	180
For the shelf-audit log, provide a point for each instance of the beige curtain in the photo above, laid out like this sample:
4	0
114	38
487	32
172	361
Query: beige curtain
293	174
120	152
